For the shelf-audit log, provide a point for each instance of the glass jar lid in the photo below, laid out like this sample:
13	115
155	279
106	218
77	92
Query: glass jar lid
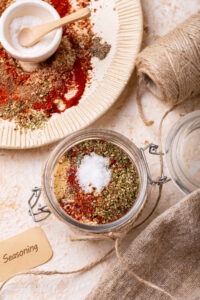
182	152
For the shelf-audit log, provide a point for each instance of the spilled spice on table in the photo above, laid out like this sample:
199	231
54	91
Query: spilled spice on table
87	204
30	99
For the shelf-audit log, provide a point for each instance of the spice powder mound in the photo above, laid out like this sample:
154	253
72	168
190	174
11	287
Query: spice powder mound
105	192
30	99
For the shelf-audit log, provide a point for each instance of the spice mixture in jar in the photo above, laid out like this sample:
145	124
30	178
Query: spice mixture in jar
31	98
96	182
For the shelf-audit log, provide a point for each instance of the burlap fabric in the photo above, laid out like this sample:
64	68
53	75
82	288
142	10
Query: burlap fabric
166	253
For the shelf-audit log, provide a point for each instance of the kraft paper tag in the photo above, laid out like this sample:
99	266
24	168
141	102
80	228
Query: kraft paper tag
23	252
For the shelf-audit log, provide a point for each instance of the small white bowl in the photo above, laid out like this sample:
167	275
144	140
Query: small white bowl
31	8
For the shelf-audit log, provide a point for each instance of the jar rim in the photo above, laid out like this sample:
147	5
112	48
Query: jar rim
175	143
111	136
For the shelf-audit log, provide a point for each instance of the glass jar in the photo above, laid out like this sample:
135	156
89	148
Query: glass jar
136	155
133	152
182	152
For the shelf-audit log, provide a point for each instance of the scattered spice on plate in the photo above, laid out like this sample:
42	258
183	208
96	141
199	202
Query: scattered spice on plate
99	49
96	182
31	98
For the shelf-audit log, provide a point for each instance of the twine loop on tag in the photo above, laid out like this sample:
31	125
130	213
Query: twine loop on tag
111	236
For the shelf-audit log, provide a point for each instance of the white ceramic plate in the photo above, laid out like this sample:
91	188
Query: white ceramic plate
119	22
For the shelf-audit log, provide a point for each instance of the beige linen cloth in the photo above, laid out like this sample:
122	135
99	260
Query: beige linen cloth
166	253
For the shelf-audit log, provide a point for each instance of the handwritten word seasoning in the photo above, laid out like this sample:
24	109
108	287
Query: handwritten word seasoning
29	249
96	182
30	99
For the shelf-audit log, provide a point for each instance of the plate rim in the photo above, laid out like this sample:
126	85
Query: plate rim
130	17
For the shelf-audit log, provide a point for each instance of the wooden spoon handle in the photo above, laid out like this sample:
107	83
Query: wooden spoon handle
42	30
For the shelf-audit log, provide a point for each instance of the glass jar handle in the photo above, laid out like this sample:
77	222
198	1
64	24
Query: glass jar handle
38	212
153	149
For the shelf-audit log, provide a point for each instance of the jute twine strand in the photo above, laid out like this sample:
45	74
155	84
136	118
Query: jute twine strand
117	238
50	273
170	68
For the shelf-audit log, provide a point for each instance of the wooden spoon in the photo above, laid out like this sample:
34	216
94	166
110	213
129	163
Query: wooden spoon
31	35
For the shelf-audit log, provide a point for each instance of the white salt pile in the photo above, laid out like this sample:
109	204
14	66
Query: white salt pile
20	23
93	172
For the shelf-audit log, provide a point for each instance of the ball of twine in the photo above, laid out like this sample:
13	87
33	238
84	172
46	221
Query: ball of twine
170	68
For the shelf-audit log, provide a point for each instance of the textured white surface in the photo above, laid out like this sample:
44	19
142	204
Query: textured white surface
21	170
